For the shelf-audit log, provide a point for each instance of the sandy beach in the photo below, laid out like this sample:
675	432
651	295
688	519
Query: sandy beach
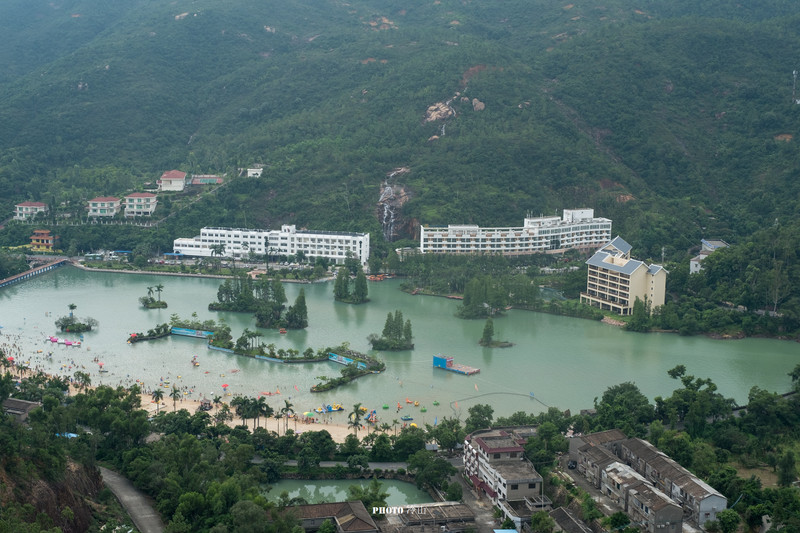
337	427
23	363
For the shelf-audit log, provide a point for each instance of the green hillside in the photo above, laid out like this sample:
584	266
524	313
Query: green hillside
675	120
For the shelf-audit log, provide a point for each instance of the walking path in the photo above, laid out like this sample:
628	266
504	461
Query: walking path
139	507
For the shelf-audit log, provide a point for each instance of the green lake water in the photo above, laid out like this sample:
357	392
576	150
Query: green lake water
556	361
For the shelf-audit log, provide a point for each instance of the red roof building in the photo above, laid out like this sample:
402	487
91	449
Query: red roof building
172	180
27	210
104	206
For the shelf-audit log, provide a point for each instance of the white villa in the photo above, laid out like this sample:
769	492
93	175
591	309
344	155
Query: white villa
707	247
104	206
172	180
288	241
27	210
575	229
140	204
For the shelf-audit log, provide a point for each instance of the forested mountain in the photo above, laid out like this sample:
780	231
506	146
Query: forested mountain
674	119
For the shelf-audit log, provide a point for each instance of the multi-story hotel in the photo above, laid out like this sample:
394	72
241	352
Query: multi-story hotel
104	206
140	204
576	229
27	210
288	241
616	281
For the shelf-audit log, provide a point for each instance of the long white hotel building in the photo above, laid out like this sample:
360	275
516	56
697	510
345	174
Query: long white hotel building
577	228
288	241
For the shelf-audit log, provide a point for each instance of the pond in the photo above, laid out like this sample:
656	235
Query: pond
335	490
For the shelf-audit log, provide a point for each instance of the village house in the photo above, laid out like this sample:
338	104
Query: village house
29	210
43	241
494	461
605	454
707	247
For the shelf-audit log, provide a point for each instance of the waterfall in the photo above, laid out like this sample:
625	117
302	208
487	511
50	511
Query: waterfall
387	219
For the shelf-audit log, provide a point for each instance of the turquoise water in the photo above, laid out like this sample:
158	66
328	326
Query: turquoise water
564	362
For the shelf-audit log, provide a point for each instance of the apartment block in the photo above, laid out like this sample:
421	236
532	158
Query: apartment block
615	281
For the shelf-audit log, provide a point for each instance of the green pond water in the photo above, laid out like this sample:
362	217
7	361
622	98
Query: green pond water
335	490
555	361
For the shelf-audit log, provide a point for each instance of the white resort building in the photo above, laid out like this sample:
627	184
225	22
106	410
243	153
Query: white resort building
288	241
575	229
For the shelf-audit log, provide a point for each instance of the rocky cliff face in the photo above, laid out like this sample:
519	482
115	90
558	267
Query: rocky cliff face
389	209
66	502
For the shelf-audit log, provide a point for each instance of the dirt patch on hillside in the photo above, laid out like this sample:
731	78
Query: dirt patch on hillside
767	476
786	137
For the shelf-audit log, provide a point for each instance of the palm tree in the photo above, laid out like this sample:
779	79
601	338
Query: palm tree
217	400
239	404
394	425
159	288
259	406
175	394
354	418
265	410
72	307
285	412
217	250
149	292
83	380
158	395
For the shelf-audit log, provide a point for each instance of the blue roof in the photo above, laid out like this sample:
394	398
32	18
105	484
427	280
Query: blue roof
599	260
620	244
172	253
123	252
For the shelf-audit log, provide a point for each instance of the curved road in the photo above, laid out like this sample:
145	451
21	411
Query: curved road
139	507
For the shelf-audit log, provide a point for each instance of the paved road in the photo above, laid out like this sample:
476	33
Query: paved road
139	507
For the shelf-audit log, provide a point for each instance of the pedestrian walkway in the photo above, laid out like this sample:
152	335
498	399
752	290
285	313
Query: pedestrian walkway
139	507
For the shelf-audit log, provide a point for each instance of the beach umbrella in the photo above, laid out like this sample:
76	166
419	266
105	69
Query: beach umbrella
11	359
224	385
309	413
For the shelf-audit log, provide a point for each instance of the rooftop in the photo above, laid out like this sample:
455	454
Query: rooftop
517	472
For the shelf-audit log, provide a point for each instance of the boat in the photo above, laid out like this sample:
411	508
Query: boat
435	403
282	331
386	406
416	404
363	409
408	401
337	407
406	418
423	410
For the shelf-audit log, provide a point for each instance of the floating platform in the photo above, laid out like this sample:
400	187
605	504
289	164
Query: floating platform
446	363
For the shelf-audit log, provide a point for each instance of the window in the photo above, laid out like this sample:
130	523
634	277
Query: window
514	487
